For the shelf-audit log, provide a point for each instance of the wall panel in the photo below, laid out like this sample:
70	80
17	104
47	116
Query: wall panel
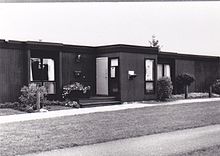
13	67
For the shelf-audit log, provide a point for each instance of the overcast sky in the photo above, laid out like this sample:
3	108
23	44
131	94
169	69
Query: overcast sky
184	27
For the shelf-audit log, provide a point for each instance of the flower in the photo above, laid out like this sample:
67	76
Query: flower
67	89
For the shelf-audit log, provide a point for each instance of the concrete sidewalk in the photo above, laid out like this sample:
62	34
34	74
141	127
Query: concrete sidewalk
164	144
70	112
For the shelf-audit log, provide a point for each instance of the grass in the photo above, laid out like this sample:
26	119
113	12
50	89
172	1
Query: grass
9	111
210	151
48	134
193	95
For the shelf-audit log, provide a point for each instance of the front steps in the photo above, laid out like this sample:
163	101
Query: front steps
99	101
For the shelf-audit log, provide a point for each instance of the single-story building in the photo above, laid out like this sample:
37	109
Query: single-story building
126	72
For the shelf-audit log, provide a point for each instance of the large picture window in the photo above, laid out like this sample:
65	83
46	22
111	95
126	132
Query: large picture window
149	76
42	72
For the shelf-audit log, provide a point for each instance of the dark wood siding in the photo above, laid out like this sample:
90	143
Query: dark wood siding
133	90
13	67
86	66
132	59
185	66
205	72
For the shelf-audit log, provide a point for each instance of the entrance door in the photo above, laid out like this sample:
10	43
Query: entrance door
102	76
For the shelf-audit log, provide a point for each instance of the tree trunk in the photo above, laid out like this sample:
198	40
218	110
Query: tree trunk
210	91
186	91
38	100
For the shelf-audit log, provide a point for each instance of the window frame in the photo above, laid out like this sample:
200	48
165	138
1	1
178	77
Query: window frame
153	76
42	81
163	70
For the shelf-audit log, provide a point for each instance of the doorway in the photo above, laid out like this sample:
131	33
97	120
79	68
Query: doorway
102	76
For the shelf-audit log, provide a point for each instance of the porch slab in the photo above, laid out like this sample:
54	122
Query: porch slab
70	112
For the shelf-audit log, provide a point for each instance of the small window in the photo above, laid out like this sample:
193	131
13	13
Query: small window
167	70
114	62
149	76
159	71
149	87
163	70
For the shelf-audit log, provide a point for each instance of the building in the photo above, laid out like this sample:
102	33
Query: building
126	72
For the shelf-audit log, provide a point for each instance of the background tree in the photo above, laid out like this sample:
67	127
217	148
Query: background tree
155	43
185	80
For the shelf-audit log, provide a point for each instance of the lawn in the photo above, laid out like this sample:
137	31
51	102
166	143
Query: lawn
9	111
210	151
47	134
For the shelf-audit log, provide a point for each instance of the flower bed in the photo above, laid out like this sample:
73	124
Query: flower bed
75	91
193	95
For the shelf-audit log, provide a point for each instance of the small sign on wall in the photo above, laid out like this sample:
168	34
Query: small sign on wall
131	74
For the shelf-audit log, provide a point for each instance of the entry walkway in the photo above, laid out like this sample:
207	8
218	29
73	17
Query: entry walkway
70	112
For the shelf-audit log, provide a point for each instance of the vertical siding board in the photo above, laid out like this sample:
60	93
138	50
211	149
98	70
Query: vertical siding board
12	74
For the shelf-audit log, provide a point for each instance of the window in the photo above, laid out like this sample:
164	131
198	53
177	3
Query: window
149	76
114	65
163	70
42	72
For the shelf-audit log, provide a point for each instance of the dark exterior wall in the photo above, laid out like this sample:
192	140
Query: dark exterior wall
185	66
131	58
86	66
13	67
134	90
206	71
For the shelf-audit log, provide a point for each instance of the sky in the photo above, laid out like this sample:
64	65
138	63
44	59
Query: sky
183	27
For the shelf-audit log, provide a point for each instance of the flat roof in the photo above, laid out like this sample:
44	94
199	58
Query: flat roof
104	48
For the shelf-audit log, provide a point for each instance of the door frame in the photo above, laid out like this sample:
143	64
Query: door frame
109	76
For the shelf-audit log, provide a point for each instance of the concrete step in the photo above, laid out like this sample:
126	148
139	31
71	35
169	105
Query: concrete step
102	97
95	100
99	103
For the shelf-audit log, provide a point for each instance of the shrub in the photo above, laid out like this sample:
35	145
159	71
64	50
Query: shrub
66	103
28	96
185	79
216	87
164	88
76	86
13	105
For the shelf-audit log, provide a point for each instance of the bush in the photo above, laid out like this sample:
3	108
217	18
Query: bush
185	79
66	103
216	87
13	105
74	91
164	88
28	96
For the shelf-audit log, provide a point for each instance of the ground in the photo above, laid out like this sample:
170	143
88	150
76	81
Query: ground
69	131
8	111
210	151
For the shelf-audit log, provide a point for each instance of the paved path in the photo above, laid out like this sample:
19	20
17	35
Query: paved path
163	144
60	113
